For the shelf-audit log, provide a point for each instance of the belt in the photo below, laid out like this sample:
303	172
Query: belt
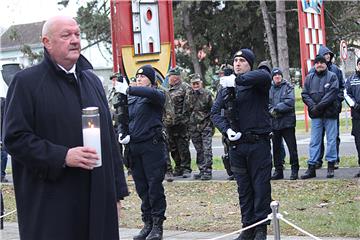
251	138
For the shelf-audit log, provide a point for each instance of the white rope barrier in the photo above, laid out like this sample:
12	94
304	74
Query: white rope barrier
7	214
241	230
296	227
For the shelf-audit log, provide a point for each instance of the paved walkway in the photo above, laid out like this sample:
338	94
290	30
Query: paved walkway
10	232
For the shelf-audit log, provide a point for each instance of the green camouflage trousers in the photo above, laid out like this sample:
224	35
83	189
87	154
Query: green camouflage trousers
202	141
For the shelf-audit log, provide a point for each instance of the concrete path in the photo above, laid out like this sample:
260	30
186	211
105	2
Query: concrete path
10	232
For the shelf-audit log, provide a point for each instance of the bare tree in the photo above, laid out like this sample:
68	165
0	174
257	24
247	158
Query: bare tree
282	46
190	37
269	34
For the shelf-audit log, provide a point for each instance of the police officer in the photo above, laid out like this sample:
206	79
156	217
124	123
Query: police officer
178	131
147	149
250	154
199	102
283	121
352	97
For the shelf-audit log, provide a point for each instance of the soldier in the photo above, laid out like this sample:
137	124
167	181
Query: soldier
168	120
177	131
201	129
226	70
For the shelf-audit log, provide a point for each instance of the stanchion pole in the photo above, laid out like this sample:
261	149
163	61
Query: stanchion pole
276	225
1	210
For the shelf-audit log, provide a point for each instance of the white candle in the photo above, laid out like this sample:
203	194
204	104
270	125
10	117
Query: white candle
91	138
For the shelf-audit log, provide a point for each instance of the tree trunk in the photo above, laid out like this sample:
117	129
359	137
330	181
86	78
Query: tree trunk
190	38
283	50
269	34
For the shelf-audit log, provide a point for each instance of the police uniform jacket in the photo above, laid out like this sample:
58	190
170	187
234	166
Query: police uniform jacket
250	105
353	91
145	113
320	94
42	121
282	101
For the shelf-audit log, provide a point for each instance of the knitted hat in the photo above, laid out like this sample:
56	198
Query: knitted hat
148	71
247	54
320	58
276	71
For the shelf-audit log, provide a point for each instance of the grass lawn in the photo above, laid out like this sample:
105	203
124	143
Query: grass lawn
324	208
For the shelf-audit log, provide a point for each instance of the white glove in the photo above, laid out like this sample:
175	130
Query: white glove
124	141
228	81
121	87
233	136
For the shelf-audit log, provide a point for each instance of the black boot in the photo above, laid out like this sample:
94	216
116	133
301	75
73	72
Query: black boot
246	235
278	174
260	232
330	170
310	172
157	229
294	172
144	232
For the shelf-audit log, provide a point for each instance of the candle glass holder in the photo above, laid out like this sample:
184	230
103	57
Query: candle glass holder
91	130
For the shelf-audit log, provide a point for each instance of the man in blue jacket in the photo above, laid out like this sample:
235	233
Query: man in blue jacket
329	57
283	121
247	128
320	93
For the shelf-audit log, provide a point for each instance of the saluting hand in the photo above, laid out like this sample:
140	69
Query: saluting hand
82	157
228	81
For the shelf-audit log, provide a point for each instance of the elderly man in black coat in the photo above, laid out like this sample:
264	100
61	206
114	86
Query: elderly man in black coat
60	194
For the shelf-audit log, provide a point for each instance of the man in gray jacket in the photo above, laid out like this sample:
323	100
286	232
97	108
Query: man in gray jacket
283	121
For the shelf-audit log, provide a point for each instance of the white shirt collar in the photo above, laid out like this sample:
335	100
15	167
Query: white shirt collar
72	70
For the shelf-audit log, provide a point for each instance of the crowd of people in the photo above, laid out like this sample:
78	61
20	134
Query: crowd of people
55	175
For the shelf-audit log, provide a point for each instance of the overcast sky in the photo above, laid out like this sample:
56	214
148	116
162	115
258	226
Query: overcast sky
26	11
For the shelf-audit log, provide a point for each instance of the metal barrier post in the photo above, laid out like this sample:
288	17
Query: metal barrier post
1	210
276	225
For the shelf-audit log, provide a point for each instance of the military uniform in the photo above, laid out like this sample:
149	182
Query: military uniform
199	102
178	130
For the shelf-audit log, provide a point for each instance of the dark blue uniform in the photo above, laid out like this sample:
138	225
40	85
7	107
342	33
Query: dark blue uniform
147	149
250	156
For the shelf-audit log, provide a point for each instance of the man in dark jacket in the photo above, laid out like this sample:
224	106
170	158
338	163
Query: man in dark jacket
320	93
59	193
283	121
329	56
352	97
248	130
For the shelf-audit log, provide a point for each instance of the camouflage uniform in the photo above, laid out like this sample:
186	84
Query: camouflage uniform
201	129
168	120
177	130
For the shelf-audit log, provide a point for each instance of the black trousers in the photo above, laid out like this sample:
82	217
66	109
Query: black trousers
289	136
356	133
148	170
251	165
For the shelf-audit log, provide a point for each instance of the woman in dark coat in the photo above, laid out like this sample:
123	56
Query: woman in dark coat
147	149
59	193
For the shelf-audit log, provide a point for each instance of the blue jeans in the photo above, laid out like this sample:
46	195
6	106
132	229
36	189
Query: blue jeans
4	159
317	127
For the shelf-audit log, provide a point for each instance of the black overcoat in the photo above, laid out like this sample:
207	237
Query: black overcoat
42	121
